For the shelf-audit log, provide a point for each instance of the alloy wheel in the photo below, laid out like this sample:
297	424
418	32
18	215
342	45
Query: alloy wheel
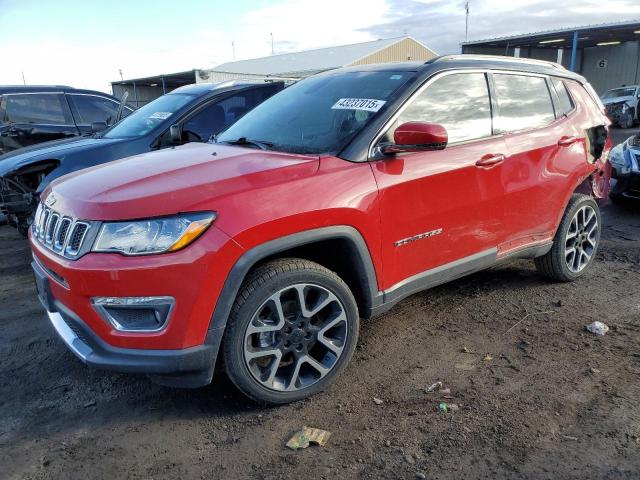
295	337
581	239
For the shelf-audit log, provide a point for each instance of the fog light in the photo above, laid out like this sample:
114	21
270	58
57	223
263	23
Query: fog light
135	314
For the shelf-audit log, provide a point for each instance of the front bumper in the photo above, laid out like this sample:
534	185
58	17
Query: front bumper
181	354
189	367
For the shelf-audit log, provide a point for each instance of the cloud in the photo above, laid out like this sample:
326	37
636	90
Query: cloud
441	25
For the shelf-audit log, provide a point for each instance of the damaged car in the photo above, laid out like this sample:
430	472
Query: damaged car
328	203
192	113
35	114
622	105
625	177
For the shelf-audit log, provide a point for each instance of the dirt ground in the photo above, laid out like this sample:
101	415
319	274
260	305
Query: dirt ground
543	399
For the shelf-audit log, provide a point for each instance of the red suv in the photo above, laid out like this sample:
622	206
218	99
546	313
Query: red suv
329	202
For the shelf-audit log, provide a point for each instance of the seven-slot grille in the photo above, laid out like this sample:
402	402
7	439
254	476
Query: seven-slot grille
59	233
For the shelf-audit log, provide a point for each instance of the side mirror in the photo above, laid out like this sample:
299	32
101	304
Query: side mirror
417	137
175	133
98	127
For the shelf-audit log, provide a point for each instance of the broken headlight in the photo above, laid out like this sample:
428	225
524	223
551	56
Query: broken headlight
155	235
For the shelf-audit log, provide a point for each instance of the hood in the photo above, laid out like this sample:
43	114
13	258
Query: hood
173	180
56	149
609	101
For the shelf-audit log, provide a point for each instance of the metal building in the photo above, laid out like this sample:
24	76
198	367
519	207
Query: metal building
309	62
608	55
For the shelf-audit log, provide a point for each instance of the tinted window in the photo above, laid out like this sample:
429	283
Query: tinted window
459	102
148	117
94	109
523	102
319	114
565	104
216	117
39	108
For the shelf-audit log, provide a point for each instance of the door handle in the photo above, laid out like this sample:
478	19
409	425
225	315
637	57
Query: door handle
566	141
490	160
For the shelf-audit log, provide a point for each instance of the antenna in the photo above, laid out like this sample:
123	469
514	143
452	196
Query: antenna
120	71
233	48
466	22
272	51
23	80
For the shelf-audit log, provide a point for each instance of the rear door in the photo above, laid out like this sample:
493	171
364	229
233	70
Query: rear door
439	207
543	151
31	118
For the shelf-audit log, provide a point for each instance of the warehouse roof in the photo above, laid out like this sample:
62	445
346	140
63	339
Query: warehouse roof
311	60
590	35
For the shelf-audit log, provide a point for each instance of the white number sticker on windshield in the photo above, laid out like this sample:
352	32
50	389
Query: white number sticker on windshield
161	115
367	104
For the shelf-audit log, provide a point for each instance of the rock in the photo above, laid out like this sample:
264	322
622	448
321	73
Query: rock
597	328
409	459
378	401
421	476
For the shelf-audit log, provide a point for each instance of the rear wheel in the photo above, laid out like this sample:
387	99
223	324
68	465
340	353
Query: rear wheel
575	243
292	330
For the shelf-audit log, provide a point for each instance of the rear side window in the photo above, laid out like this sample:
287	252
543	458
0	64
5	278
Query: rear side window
37	108
524	102
94	109
565	104
459	102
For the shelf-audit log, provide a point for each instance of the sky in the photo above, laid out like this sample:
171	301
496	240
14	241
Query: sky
86	44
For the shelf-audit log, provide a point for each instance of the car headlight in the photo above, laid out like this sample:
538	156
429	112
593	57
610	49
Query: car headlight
155	235
619	160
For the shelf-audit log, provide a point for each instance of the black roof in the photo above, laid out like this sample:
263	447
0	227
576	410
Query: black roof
47	89
467	61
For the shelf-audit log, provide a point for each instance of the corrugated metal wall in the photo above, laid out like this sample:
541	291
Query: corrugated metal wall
407	49
622	66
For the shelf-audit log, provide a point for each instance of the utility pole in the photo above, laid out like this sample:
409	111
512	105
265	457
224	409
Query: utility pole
466	22
23	80
272	51
233	48
120	72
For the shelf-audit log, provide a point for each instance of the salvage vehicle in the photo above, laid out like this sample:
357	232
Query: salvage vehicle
625	163
188	114
622	105
329	202
34	114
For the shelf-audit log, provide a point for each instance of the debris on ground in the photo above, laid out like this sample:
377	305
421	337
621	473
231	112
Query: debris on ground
433	387
303	438
90	404
467	350
594	370
443	407
487	358
445	391
454	407
597	328
378	401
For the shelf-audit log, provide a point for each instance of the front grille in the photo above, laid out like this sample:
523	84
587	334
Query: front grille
57	232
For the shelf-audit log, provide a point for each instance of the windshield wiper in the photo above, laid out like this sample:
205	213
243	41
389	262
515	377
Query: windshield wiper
261	144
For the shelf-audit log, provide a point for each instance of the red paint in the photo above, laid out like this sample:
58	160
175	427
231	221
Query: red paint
506	191
419	133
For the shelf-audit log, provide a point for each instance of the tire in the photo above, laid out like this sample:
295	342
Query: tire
315	341
559	263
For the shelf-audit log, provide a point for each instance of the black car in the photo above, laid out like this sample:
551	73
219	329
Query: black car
625	175
192	113
36	114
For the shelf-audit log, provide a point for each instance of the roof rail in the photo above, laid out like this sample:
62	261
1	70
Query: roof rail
497	58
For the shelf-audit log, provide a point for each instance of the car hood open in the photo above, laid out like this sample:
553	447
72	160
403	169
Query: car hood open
174	180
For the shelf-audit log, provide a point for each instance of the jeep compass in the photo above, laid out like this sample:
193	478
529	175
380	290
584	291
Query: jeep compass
328	203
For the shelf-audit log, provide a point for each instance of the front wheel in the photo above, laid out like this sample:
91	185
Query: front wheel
292	330
576	241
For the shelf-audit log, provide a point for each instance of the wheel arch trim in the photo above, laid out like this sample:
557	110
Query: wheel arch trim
239	271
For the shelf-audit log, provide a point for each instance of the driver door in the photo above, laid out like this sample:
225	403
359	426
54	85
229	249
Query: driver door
442	211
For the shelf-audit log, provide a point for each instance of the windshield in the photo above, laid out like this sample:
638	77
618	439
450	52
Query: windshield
620	92
319	114
146	118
